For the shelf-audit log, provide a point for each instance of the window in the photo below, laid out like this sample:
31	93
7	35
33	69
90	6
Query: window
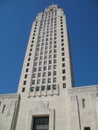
25	76
40	63
28	64
62	44
38	81
64	85
24	83
63	71
55	56
49	67
54	38
50	51
54	87
41	57
64	77
48	87
45	67
36	58
45	62
42	44
35	69
61	28
50	61
33	82
49	80
44	80
54	79
28	59
40	68
41	53
54	34
63	64
29	54
30	49
62	49
55	61
62	40
54	67
35	64
32	89
43	88
83	103
46	52
50	39
86	128
3	109
39	74
63	54
54	73
46	39
44	74
50	56
34	75
54	42
54	50
37	88
37	49
23	89
27	70
63	59
41	123
49	73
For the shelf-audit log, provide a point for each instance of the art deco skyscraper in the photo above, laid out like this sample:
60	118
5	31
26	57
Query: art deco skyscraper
47	68
46	73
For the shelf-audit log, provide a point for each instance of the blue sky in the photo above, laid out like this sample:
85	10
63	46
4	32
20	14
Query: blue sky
16	17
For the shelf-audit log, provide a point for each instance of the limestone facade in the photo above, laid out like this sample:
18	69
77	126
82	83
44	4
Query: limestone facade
9	106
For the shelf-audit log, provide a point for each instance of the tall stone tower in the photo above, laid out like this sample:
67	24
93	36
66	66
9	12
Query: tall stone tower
46	73
46	98
47	68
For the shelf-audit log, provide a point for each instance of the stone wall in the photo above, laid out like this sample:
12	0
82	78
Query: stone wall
83	107
8	111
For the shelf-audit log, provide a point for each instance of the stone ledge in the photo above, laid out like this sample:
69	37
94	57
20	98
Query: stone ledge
9	96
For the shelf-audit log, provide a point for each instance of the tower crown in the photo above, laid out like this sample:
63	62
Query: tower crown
51	8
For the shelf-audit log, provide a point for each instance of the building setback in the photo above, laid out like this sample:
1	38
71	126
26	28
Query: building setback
46	97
